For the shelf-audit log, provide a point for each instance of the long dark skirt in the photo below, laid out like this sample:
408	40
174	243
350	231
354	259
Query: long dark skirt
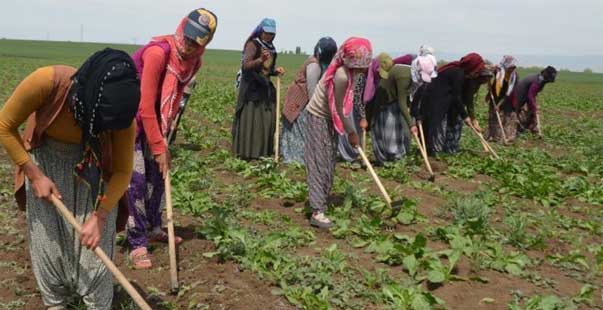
390	133
292	139
253	130
320	151
434	127
454	130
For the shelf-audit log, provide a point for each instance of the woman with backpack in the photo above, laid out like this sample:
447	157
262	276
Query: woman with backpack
298	95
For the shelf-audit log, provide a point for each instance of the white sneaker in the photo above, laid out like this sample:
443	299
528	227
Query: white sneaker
320	220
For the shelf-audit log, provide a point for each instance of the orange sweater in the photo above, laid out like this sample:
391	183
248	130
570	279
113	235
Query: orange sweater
34	92
150	86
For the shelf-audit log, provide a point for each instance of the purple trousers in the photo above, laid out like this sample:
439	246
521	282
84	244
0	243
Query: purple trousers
144	194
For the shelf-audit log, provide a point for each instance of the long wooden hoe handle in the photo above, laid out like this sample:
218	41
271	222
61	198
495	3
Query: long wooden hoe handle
423	153
538	124
171	238
484	142
278	118
102	256
420	124
388	200
500	124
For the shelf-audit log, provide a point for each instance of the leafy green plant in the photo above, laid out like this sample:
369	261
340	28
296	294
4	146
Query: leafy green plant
518	235
512	263
574	260
473	214
540	302
412	298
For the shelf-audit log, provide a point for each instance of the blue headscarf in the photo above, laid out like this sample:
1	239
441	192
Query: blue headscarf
324	51
266	25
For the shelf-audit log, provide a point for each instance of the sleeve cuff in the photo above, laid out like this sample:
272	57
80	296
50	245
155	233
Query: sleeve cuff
106	208
158	147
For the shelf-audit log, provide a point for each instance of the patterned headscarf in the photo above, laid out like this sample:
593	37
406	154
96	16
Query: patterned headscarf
104	96
180	69
354	53
422	69
324	51
506	63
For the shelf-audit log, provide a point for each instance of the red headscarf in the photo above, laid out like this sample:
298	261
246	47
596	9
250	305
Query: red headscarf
353	53
472	63
179	72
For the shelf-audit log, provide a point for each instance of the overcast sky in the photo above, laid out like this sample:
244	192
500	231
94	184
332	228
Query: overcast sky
542	27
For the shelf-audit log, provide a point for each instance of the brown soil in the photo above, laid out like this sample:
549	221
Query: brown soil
202	281
206	282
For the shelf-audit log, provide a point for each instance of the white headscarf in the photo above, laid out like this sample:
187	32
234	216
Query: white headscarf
423	68
505	63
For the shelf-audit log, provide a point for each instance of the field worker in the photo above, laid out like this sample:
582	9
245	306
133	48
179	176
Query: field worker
166	65
298	95
379	66
501	99
423	70
330	115
448	102
527	89
254	121
387	108
77	145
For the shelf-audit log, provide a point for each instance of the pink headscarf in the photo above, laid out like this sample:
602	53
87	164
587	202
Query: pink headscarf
354	53
372	80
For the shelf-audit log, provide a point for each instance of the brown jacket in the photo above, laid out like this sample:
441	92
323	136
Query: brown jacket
297	94
35	130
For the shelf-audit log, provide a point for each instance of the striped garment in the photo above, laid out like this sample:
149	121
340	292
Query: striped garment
390	133
319	154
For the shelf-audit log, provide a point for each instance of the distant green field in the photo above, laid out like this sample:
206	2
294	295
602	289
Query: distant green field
47	52
73	53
